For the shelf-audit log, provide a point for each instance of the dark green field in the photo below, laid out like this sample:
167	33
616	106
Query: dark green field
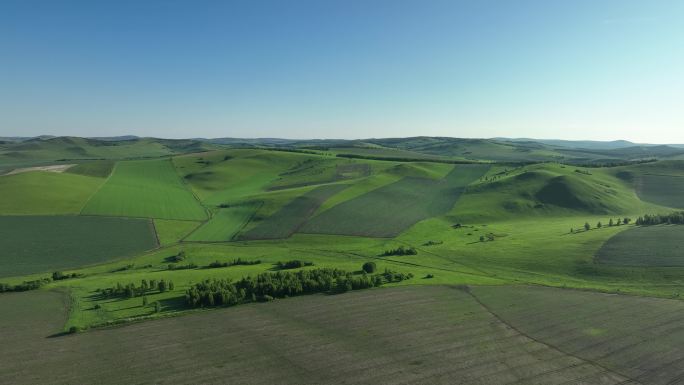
34	244
645	246
666	190
290	218
389	210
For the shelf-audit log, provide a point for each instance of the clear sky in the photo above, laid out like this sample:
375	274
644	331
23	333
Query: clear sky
580	69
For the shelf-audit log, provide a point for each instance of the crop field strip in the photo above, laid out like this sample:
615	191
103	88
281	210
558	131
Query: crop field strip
391	209
441	334
225	224
666	190
293	215
650	246
35	244
146	189
639	337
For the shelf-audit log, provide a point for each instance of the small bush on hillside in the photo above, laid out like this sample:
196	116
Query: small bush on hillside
294	264
369	267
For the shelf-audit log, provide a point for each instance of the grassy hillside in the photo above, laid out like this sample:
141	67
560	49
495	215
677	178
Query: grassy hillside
150	189
391	209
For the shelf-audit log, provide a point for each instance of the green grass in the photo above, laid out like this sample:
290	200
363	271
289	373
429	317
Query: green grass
645	246
391	209
225	224
150	189
171	231
46	193
33	244
97	168
292	216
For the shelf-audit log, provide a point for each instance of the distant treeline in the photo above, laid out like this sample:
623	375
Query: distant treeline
234	262
676	218
294	264
613	163
401	159
268	286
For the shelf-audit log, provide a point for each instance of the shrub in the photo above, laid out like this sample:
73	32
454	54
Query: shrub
369	267
294	264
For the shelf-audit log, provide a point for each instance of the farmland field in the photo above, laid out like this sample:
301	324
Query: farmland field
645	246
40	192
391	209
290	218
666	190
498	335
225	224
639	338
36	244
150	189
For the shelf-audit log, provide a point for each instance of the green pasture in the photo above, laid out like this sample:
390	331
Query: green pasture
225	224
645	246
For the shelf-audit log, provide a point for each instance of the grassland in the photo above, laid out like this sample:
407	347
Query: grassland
45	193
225	224
647	246
444	334
150	189
292	216
389	210
33	244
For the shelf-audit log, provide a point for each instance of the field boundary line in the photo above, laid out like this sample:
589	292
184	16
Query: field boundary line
500	319
116	164
182	181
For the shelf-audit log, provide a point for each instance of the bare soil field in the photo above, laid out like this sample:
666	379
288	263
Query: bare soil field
53	168
402	335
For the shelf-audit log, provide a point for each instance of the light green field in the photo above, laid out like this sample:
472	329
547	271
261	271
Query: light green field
170	231
45	193
225	224
150	189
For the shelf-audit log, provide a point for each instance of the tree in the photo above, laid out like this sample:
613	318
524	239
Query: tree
599	225
626	220
171	286
587	226
144	301
610	222
157	307
369	267
162	286
482	238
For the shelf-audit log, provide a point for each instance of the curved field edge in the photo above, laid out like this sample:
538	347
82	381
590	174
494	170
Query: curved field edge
647	246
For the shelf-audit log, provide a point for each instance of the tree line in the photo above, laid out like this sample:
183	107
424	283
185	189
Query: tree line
132	290
676	218
401	250
37	283
599	224
268	286
293	264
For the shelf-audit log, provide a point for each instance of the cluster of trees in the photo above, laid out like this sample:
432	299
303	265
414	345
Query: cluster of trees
401	250
676	218
180	257
236	262
58	276
369	267
487	238
24	286
268	286
131	290
293	264
433	243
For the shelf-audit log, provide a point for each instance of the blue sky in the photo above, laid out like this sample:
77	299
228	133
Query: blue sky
610	69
